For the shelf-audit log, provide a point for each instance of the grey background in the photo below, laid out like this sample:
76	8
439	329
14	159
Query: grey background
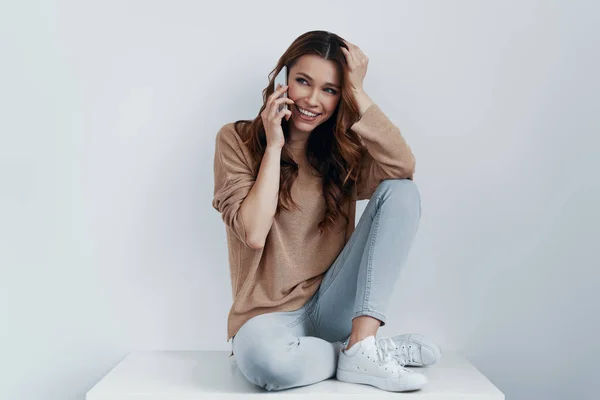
109	243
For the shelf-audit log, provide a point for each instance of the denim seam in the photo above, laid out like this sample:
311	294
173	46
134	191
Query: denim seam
313	322
309	311
298	320
371	250
370	261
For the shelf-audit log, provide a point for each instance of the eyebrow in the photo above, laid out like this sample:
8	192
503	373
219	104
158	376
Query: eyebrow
326	84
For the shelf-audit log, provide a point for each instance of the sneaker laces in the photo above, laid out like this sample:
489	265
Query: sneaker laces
386	349
403	352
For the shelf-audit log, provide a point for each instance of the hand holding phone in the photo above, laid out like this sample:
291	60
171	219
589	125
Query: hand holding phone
273	113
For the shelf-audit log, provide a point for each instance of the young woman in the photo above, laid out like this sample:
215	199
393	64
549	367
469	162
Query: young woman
309	289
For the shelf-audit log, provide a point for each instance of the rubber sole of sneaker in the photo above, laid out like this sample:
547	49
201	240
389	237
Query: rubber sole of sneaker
381	383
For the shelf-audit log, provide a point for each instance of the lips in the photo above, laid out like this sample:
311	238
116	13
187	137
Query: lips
298	108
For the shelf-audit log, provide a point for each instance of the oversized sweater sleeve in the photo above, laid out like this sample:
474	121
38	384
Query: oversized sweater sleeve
233	179
386	154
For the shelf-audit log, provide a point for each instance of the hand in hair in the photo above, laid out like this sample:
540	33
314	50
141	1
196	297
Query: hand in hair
357	65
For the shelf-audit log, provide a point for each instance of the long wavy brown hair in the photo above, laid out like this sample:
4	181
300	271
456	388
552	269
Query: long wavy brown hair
332	148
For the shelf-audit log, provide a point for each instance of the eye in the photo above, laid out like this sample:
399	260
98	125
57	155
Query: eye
333	91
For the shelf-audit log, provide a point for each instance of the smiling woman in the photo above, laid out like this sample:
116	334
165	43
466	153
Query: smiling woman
318	84
313	100
304	280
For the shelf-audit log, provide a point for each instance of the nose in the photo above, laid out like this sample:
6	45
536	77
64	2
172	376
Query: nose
312	99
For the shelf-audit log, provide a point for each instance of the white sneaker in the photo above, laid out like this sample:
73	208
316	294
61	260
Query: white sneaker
371	361
416	350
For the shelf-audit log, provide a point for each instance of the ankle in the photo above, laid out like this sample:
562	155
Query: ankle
362	326
355	338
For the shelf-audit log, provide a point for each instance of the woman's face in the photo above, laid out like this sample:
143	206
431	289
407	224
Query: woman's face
314	85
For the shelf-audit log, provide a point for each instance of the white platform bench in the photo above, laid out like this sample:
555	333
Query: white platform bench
187	375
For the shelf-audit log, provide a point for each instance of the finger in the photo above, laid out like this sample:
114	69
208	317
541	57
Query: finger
280	102
281	114
351	47
284	100
277	92
277	103
361	55
272	98
349	57
361	58
354	50
274	110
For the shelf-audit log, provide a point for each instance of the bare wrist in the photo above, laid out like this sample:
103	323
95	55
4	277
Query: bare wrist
273	148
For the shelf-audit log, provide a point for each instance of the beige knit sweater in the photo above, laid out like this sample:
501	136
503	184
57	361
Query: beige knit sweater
284	274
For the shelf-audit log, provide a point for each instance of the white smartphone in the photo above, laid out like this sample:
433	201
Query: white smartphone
281	78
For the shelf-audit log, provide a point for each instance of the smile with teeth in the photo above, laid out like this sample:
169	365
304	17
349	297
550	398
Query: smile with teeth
307	114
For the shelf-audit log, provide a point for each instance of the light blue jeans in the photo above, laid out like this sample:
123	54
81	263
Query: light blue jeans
281	350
